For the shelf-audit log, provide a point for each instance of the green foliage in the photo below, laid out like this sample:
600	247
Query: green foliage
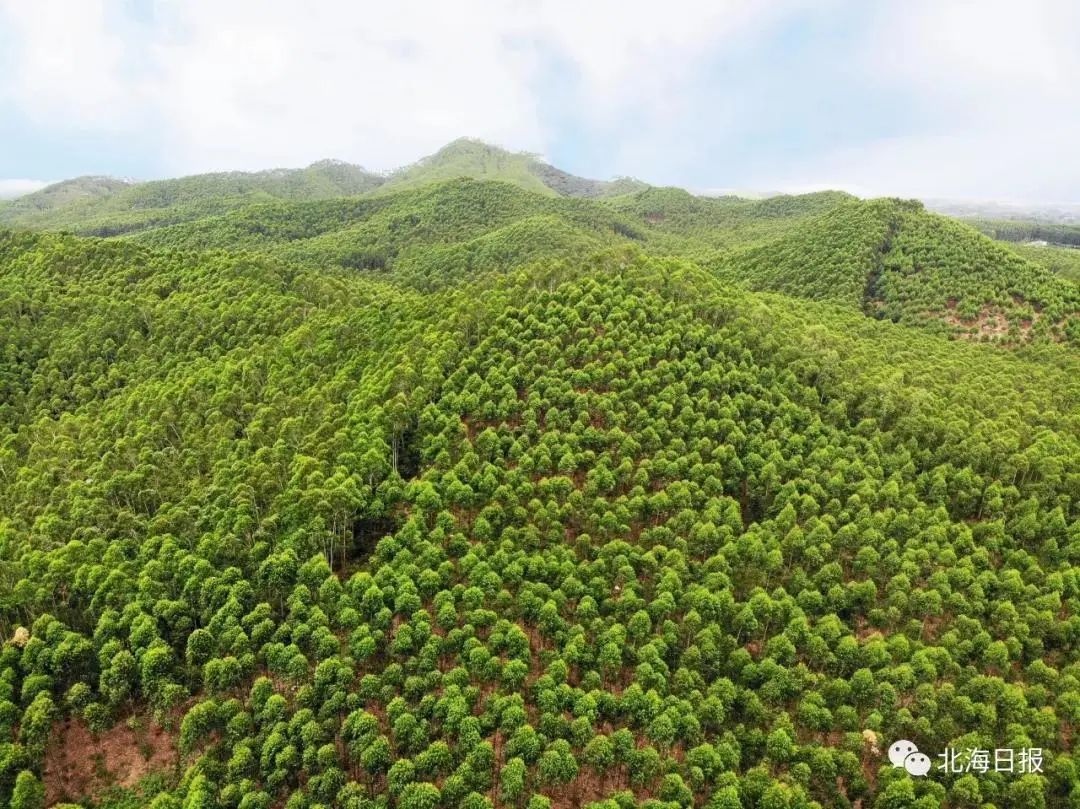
104	206
1008	230
466	157
1063	261
538	511
28	792
893	260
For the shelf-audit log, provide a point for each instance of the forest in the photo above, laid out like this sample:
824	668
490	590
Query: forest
1060	233
445	490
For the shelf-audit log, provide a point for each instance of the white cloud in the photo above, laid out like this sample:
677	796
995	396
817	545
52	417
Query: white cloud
997	85
256	83
988	90
11	188
645	54
978	54
70	64
252	83
1022	166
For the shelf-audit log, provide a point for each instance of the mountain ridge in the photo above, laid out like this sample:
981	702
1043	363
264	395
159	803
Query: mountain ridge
433	223
468	495
89	197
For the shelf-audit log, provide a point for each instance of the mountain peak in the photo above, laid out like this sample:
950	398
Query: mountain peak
469	144
472	157
335	163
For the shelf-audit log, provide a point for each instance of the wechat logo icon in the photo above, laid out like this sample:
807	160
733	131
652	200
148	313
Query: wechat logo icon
905	754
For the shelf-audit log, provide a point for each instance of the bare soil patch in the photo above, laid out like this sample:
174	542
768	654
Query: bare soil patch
80	764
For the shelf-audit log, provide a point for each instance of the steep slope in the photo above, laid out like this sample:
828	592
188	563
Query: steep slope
607	530
895	260
829	259
942	269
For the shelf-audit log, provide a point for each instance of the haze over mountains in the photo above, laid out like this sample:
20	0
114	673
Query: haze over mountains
97	196
465	157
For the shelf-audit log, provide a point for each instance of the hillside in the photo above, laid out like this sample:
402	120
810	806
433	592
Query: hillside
467	157
1063	261
103	206
888	258
393	233
455	492
594	529
897	261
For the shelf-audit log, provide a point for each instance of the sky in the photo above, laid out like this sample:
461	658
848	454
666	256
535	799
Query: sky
924	98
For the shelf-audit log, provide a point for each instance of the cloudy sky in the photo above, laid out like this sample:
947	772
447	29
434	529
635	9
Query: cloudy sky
931	98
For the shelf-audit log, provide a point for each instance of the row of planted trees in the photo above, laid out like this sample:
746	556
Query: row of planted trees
647	548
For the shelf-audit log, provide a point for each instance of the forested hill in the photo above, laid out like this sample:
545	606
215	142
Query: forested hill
472	208
460	496
888	258
467	157
112	206
108	206
895	260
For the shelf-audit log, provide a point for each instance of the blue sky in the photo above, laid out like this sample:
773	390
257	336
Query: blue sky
930	98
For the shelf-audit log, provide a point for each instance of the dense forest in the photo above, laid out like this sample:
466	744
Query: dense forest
452	492
1008	230
1063	261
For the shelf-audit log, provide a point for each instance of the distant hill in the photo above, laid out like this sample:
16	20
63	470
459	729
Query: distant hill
68	192
1054	224
1048	213
722	221
900	262
107	206
1019	230
473	208
479	226
467	157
